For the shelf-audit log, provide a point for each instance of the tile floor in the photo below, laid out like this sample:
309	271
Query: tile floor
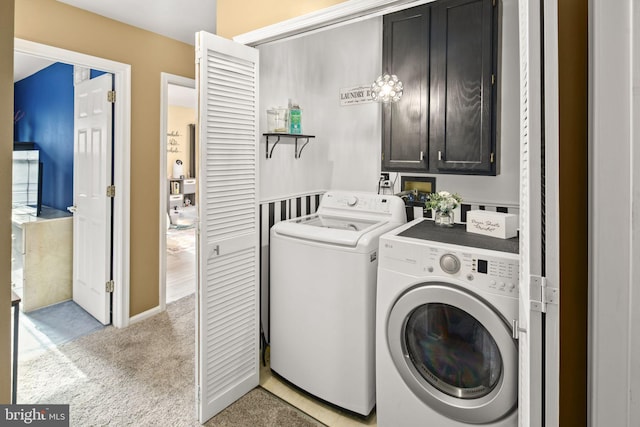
49	327
326	414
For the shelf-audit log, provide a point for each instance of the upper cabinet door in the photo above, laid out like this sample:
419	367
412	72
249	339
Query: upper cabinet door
405	123
463	62
445	54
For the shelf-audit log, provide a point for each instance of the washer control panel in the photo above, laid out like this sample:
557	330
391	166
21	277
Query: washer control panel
491	273
348	203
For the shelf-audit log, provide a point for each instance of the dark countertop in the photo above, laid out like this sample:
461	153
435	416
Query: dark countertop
458	235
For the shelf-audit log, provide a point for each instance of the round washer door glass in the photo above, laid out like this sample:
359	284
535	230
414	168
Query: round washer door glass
452	350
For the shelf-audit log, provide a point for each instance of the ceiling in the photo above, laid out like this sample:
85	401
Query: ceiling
25	65
179	20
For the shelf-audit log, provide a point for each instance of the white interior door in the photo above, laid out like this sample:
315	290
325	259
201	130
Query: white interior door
227	342
92	207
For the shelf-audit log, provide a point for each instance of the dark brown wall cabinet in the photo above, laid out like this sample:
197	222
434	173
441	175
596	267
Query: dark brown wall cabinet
445	53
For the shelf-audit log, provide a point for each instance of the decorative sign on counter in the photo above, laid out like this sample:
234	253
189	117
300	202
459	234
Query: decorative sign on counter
494	224
356	95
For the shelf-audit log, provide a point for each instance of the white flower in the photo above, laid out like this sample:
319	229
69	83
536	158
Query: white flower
443	201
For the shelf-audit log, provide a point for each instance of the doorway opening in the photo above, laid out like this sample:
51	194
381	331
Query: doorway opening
45	249
121	154
178	184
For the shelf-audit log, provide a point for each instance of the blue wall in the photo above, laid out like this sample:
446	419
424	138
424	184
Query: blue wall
46	99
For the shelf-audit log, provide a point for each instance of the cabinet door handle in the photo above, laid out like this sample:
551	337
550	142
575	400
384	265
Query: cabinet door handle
421	155
440	155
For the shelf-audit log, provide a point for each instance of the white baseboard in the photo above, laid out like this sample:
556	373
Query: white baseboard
145	315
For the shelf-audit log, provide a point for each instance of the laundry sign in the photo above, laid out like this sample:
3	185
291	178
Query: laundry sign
494	224
355	95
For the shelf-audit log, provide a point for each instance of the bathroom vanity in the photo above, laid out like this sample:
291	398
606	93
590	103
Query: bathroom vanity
42	256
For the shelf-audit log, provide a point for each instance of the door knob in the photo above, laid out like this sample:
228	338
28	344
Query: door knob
72	209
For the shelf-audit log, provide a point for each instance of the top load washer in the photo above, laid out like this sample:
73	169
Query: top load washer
445	351
323	270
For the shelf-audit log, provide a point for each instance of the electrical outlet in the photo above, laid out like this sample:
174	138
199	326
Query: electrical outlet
384	180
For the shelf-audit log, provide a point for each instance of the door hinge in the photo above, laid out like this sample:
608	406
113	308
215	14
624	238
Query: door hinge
492	158
494	3
111	191
541	295
440	155
493	79
109	286
111	96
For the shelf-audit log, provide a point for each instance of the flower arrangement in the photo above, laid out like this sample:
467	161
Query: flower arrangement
443	201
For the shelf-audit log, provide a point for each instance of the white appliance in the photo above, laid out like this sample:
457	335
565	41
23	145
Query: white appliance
446	305
323	270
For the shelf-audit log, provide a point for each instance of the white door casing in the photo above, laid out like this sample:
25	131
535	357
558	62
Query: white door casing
93	114
227	307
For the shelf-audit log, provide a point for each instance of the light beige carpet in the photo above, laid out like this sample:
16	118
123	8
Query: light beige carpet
142	375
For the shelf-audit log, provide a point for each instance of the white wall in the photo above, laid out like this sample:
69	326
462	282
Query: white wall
178	120
311	70
346	152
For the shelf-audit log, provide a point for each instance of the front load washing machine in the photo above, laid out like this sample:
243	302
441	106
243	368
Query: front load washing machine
445	352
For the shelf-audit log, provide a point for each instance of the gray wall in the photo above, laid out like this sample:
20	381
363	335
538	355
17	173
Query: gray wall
311	70
346	151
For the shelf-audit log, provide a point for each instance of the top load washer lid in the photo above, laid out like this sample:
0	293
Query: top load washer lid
350	224
344	218
342	231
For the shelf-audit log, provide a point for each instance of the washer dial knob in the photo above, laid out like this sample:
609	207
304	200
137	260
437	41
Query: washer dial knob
352	201
450	263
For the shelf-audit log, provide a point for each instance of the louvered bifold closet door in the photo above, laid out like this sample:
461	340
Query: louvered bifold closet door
530	317
228	273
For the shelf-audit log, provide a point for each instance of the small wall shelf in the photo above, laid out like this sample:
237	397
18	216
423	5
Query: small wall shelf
296	137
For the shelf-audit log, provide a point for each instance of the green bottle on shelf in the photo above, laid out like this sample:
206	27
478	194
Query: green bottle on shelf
295	118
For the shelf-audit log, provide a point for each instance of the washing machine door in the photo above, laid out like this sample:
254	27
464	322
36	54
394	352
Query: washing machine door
455	352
